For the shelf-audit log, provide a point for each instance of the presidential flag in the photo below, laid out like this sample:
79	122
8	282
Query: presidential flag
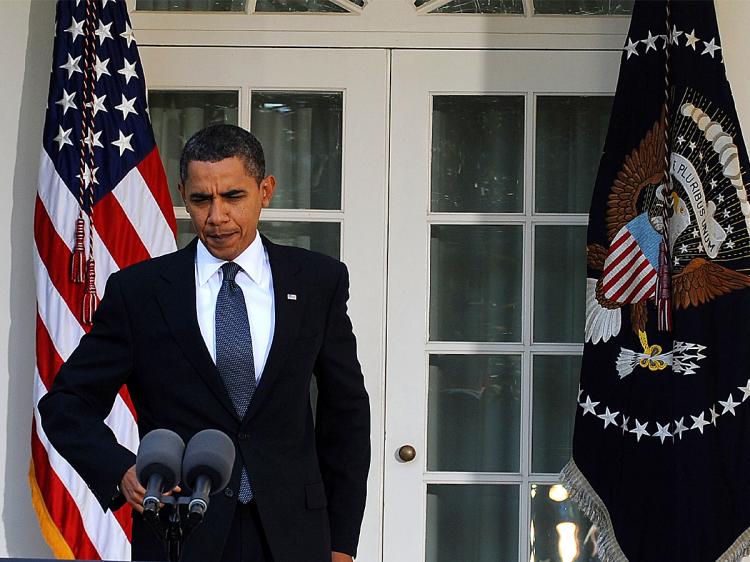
660	454
102	204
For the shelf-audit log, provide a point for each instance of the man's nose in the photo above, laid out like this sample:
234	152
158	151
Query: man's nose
217	212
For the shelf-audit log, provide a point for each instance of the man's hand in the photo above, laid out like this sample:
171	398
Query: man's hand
341	557
134	492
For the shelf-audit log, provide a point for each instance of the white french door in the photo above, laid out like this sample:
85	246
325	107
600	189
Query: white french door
493	157
455	186
321	115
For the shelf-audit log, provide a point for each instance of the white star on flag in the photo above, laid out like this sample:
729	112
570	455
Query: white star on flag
710	47
730	244
699	422
103	32
729	229
98	104
745	390
72	65
679	427
608	417
101	67
127	107
683	249
66	101
123	143
720	197
128	71
691	39
714	415
673	35
92	140
631	48
729	405
128	34
662	432
650	42
640	430
76	29
589	406
624	424
680	140
89	175
63	138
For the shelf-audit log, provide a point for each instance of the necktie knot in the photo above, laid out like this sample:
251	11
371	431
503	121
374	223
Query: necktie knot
230	270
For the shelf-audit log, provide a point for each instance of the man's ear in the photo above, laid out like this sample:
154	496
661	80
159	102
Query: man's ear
181	188
267	186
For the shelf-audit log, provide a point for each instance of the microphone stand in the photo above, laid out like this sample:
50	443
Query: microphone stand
173	528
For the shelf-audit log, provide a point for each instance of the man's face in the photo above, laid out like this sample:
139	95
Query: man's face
224	203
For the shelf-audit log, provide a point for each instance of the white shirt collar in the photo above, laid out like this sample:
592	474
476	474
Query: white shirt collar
251	261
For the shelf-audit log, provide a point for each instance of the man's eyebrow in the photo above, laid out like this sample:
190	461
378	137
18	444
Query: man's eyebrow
233	192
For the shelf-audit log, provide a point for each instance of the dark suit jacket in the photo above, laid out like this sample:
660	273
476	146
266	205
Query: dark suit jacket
309	480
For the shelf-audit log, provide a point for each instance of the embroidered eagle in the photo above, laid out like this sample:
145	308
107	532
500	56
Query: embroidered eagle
634	227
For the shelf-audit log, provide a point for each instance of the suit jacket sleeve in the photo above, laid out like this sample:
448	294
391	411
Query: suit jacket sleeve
342	423
74	409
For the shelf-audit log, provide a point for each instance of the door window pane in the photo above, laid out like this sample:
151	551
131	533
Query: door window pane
301	133
323	237
472	523
559	532
474	412
477	154
297	6
190	5
559	283
570	133
177	115
554	407
477	7
475	283
584	7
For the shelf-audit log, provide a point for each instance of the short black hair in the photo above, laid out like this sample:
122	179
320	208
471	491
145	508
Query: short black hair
217	142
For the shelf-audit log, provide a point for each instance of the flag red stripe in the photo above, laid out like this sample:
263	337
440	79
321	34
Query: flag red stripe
619	240
608	268
60	504
153	174
633	258
647	279
48	361
57	257
631	278
117	232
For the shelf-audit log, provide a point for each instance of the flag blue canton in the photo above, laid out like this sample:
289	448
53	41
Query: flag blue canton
121	136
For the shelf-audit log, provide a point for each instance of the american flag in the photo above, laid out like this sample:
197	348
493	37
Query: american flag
102	204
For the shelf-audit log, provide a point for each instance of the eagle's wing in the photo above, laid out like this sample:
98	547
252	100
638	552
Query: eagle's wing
595	256
642	167
703	280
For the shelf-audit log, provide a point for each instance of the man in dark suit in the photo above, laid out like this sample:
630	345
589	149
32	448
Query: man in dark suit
226	334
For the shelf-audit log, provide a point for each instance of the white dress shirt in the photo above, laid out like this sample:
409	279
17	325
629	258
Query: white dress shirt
257	286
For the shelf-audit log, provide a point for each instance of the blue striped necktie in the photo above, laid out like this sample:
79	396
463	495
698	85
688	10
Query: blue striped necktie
234	352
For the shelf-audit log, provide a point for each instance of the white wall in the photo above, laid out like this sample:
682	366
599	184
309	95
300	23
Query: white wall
25	55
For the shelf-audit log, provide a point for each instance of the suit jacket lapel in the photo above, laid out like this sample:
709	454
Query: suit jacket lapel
177	301
288	315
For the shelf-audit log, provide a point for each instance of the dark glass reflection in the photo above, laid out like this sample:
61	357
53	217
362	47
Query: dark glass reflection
472	523
475	283
301	133
191	5
553	413
477	154
323	237
474	413
584	7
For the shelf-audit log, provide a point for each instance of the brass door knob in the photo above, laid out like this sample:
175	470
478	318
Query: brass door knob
407	453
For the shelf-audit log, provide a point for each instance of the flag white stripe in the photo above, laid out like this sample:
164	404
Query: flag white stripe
102	528
144	214
61	206
611	272
645	290
65	335
647	271
612	289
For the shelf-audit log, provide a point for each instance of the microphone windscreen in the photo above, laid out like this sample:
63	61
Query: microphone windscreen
160	452
209	453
